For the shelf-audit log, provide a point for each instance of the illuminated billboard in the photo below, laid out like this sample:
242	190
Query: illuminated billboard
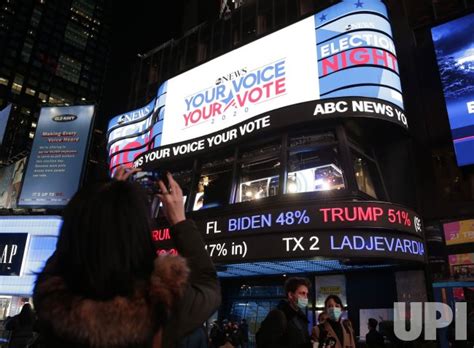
454	45
340	62
57	156
26	243
459	232
319	230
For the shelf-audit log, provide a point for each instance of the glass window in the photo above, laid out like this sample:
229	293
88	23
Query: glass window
76	35
35	17
313	139
17	83
259	173
315	170
366	174
68	68
84	8
26	51
43	97
213	188
30	91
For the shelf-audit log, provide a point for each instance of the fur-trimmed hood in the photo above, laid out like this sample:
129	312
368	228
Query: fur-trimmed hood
120	321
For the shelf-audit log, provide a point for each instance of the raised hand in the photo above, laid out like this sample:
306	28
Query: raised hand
172	199
123	173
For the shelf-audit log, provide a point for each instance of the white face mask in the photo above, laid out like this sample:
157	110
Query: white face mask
334	313
302	302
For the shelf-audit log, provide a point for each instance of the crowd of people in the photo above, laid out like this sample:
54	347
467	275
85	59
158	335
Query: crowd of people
229	334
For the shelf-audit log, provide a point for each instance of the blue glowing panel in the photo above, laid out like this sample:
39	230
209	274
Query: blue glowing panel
288	267
454	44
4	116
41	242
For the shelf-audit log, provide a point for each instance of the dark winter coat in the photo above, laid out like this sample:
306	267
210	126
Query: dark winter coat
374	339
21	333
326	330
284	327
189	295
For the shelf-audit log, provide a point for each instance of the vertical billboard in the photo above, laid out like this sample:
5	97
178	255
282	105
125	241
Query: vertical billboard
57	157
454	45
4	115
340	62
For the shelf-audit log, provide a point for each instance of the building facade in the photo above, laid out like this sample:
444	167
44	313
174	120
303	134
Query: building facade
298	195
51	53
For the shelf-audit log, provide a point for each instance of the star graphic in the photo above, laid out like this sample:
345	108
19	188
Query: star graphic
322	18
359	4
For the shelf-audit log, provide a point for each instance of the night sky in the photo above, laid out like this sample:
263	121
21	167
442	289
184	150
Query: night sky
135	29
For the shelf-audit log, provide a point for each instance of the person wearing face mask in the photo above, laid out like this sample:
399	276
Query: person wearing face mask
286	326
334	332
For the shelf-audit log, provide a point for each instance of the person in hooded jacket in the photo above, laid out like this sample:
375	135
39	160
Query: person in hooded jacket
104	286
334	332
286	326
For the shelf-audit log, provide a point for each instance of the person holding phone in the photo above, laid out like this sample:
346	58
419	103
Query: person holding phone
104	285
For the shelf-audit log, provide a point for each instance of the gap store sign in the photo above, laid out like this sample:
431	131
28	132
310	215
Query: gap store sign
340	62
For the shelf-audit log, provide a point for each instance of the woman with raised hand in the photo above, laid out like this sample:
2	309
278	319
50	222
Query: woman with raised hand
104	285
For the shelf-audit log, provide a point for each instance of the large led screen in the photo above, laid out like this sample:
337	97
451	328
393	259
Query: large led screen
454	44
340	62
27	242
57	157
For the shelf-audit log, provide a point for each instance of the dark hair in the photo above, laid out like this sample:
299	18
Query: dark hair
105	243
294	283
336	299
373	323
321	314
26	316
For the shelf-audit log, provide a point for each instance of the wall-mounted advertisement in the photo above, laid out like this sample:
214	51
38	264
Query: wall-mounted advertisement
4	116
454	45
462	266
26	243
459	232
12	248
330	285
340	62
57	157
